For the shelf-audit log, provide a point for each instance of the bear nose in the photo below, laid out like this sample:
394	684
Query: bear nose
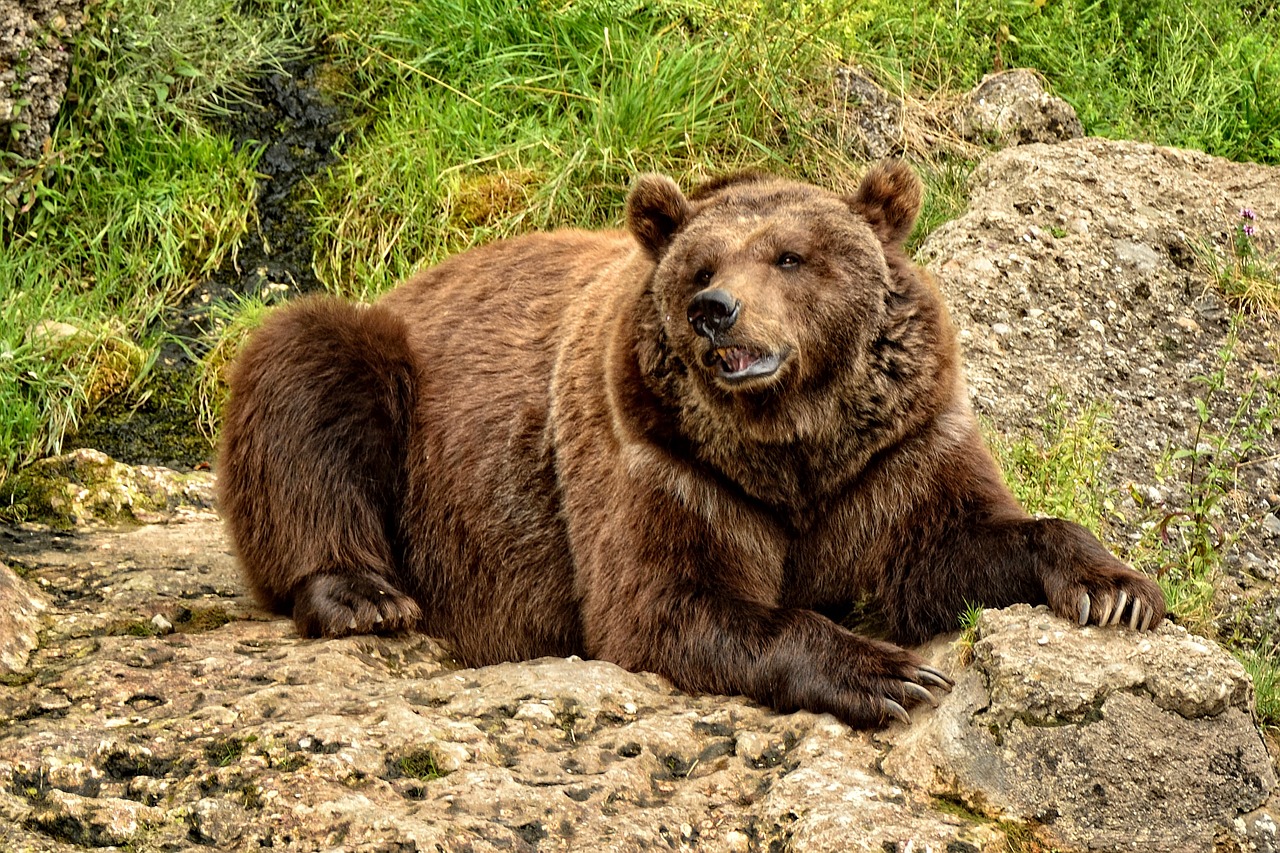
712	312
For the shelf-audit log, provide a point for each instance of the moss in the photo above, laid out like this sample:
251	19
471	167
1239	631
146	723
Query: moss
83	486
419	764
222	752
954	805
131	628
493	197
291	763
153	424
201	619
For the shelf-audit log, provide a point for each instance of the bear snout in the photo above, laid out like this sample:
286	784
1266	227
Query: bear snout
713	312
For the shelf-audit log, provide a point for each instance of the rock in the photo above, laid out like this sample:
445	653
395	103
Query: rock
1120	310
35	36
86	486
20	609
1012	108
1109	738
232	732
871	120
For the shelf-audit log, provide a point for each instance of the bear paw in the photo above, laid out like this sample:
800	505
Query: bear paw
1111	595
336	605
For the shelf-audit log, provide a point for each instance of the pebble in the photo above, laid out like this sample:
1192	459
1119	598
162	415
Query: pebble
1271	524
161	624
1001	328
536	712
737	842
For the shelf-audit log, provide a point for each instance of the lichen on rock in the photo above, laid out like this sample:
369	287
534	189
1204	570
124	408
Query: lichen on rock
86	486
1107	737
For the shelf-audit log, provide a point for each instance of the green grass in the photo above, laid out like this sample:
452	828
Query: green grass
1246	274
1200	75
1188	542
139	197
1263	665
418	764
969	621
499	118
1062	472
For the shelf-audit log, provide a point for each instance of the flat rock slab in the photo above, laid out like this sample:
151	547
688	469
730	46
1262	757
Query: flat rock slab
161	710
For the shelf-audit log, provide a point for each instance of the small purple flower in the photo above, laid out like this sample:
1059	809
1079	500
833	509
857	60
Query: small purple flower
1249	230
1247	213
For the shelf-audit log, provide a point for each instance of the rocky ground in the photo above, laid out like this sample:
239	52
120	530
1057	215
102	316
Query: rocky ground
162	711
147	705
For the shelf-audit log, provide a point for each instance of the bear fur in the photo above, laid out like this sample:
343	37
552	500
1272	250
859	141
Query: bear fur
688	447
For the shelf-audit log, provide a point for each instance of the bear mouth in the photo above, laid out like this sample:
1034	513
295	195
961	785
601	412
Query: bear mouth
738	363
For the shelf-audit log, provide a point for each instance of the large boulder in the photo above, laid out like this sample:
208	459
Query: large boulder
1084	272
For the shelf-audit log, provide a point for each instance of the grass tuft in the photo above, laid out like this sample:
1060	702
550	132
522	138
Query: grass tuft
1262	662
1062	472
1246	274
137	197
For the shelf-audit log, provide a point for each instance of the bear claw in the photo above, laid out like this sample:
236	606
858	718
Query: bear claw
934	678
1121	601
920	694
1084	608
893	709
1104	610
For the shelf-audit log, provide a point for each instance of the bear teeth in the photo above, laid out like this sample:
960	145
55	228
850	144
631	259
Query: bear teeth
735	359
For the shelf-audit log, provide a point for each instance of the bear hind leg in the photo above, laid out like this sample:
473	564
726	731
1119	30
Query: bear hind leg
312	466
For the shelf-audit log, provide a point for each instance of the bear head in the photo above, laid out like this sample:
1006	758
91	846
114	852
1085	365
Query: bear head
795	306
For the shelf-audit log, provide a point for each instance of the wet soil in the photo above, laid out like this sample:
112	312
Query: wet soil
297	126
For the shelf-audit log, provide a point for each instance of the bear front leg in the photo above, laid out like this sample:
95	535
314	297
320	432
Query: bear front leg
1022	560
1084	582
695	603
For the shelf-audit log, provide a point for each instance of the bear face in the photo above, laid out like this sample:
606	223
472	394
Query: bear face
792	313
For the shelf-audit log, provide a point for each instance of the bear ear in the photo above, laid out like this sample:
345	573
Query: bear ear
889	198
656	210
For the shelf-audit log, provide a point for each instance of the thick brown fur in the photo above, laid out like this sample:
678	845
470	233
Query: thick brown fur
683	447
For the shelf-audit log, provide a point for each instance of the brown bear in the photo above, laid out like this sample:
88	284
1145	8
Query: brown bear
688	447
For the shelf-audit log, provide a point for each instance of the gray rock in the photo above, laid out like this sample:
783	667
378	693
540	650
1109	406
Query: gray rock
1111	739
20	607
870	119
1094	251
34	63
1012	108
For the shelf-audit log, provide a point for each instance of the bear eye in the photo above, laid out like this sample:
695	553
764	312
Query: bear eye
703	276
789	260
